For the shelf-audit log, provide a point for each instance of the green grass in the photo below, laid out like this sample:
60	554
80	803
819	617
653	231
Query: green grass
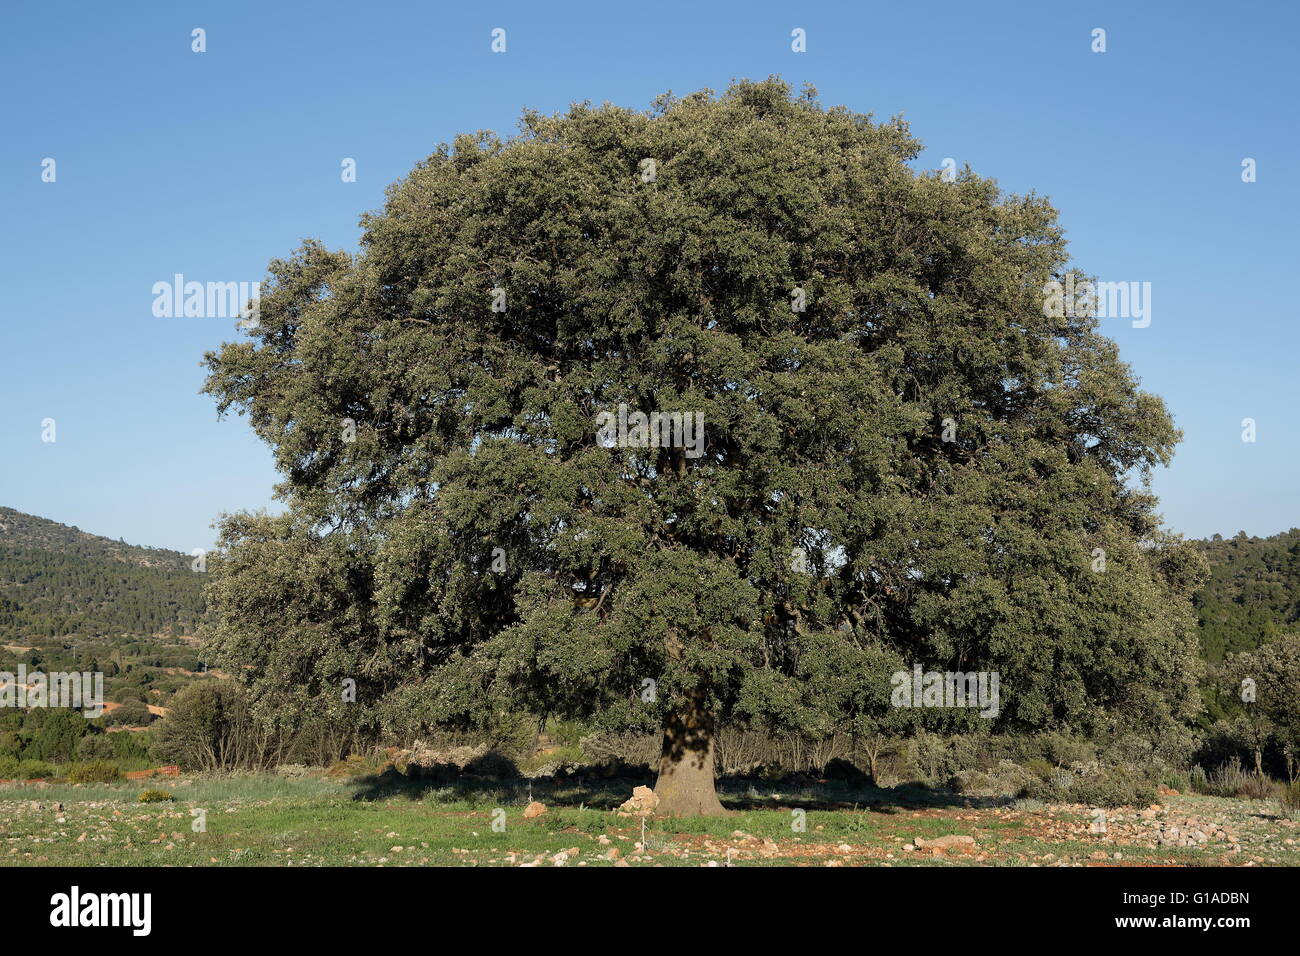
312	821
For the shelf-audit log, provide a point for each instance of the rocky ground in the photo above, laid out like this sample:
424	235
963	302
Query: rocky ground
317	822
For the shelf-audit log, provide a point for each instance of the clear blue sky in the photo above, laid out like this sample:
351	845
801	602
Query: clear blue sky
211	164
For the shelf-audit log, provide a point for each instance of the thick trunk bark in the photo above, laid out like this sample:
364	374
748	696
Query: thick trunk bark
685	785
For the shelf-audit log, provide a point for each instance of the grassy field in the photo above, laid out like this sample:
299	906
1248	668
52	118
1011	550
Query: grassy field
314	821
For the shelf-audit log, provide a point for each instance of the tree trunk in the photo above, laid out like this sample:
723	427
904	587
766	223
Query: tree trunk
685	785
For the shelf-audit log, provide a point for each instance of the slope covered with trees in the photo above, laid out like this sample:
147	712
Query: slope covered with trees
1253	592
59	582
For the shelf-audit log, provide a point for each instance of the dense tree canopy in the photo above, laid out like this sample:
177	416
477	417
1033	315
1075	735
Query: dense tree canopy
906	459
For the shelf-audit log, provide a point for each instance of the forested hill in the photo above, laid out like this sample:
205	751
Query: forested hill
1253	593
58	581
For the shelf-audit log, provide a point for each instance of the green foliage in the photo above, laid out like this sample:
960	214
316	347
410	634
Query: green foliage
12	768
1259	692
568	820
95	747
1252	594
1258	787
155	796
1040	768
208	727
1065	749
57	581
476	439
1251	598
1275	671
551	760
95	771
1176	780
1197	779
130	749
1108	787
132	713
57	733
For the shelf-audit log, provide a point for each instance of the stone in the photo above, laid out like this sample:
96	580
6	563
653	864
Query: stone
950	842
643	801
533	810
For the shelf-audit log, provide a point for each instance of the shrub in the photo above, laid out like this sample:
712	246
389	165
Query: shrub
1174	780
1231	780
1028	805
1290	800
928	757
132	713
1040	768
441	795
1197	780
360	765
293	770
57	734
14	769
1224	742
973	752
1228	780
1255	787
95	771
130	751
1004	779
154	796
550	760
1113	787
1063	749
208	727
95	747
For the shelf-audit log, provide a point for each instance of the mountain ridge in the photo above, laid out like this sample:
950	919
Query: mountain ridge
59	582
21	528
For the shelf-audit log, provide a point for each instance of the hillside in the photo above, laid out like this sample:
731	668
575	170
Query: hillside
1253	593
59	582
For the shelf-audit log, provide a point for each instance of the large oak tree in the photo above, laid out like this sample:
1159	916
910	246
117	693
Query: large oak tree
906	459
